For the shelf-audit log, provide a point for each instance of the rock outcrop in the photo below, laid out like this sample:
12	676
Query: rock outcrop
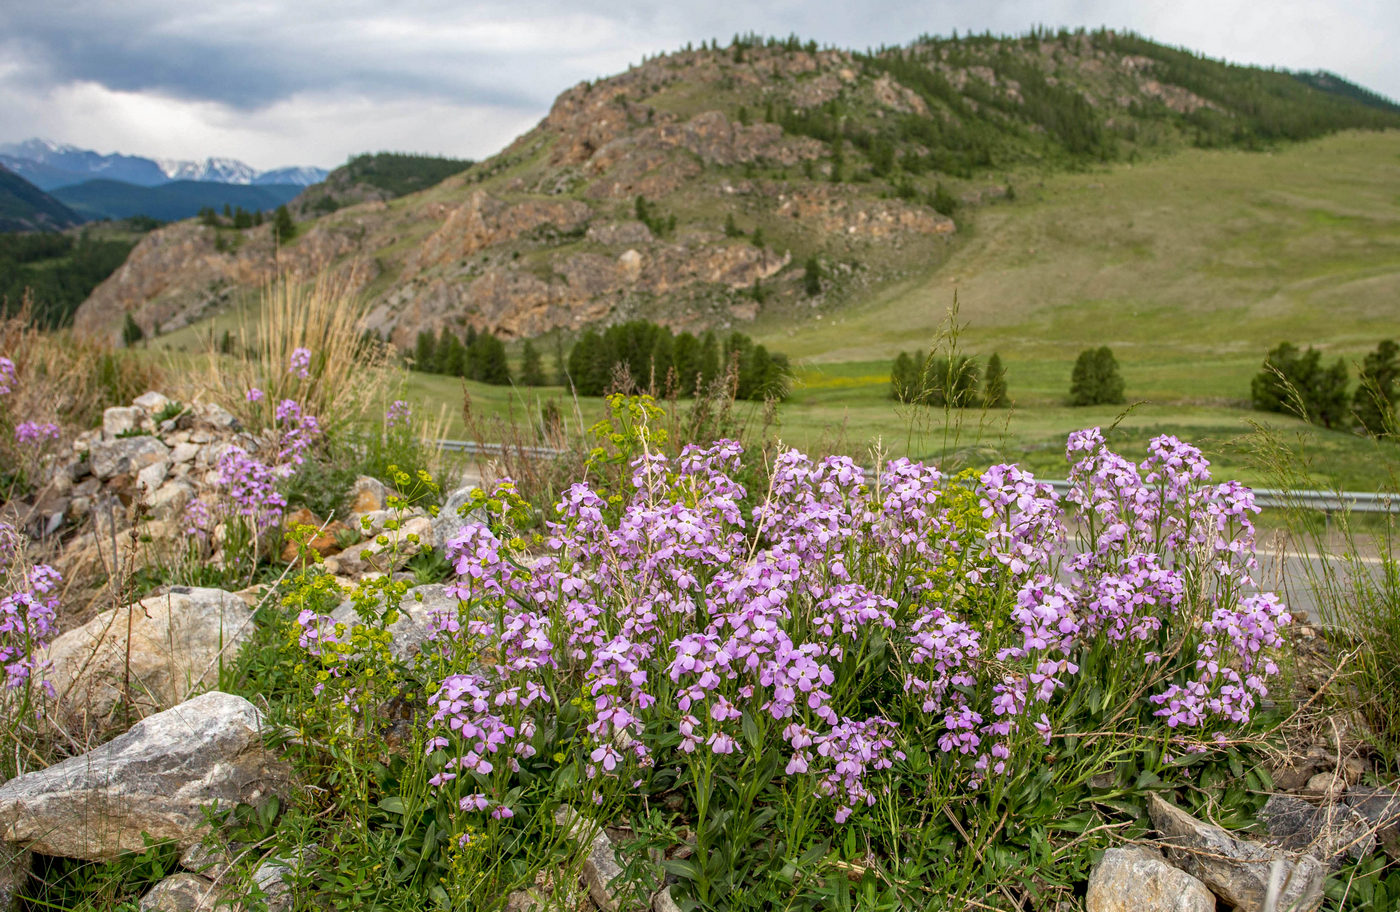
148	656
1135	879
1236	870
157	781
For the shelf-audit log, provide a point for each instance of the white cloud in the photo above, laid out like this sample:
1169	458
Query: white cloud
311	82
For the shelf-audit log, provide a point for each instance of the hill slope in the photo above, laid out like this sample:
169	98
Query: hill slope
24	207
98	199
699	187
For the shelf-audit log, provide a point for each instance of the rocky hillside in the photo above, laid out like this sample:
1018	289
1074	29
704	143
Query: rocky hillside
700	187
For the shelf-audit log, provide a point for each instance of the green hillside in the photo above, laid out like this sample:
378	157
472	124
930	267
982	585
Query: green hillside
24	207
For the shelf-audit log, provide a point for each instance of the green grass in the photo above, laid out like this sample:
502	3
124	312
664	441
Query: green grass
1190	267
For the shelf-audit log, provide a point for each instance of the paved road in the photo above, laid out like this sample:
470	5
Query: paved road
1292	575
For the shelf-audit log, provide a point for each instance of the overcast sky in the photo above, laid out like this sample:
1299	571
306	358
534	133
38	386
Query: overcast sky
283	82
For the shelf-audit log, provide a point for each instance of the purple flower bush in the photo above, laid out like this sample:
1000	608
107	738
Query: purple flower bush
808	646
28	606
251	505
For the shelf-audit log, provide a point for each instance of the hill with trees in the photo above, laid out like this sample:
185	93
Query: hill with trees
24	207
377	176
712	186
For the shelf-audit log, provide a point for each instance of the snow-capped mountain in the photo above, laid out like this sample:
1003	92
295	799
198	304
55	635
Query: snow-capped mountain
220	170
49	165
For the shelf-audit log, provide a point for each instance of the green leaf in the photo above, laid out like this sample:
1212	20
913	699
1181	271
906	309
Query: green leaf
750	727
392	805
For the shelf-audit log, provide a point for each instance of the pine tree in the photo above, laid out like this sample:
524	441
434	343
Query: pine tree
709	360
994	383
1329	396
812	277
1282	381
283	228
1096	380
904	378
489	362
1377	390
531	369
132	332
425	351
685	355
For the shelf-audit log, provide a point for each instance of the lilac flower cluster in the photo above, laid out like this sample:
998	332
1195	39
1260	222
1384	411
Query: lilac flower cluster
7	376
27	622
300	363
399	414
697	635
297	432
35	434
251	487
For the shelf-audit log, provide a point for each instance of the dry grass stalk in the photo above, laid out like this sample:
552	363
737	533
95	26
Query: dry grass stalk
346	378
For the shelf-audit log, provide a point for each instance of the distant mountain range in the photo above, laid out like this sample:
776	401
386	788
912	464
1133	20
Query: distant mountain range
169	202
49	166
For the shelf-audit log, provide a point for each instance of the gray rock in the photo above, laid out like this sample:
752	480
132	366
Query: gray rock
1329	833
151	655
184	452
126	455
1381	809
120	419
214	417
153	476
15	865
525	901
1236	870
372	557
1137	879
410	630
367	495
170	499
156	781
152	403
182	893
600	867
273	892
664	902
211	861
450	520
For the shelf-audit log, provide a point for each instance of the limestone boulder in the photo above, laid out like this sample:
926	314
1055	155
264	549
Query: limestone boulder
420	607
126	455
1136	879
156	782
1237	870
182	893
150	655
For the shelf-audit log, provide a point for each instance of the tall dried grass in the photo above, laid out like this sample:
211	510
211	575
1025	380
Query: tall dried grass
348	375
67	380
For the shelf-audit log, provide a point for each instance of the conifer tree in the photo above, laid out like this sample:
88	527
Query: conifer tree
531	369
1377	390
994	383
283	228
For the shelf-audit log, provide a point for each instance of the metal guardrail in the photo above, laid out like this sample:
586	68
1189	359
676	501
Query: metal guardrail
475	448
1325	501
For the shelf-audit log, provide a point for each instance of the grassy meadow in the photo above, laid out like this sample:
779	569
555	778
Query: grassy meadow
1189	267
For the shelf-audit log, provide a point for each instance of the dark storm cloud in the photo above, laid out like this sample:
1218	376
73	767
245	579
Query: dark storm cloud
278	81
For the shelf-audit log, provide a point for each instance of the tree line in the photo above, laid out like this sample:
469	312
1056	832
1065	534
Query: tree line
653	357
955	381
1297	382
475	356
